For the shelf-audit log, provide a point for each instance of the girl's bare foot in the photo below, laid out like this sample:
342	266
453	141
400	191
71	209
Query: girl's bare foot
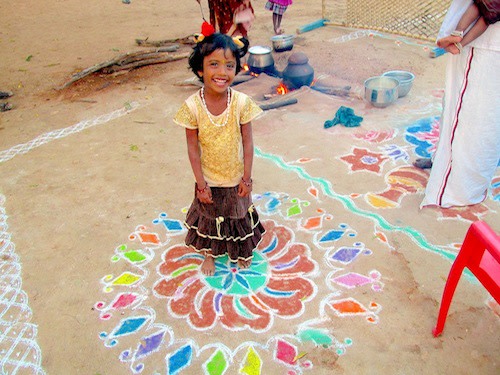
243	264
208	266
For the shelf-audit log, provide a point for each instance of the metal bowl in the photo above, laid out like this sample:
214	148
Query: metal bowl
381	91
260	57
405	80
282	42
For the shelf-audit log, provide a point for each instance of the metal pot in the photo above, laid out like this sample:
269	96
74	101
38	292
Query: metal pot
381	91
260	59
283	43
405	80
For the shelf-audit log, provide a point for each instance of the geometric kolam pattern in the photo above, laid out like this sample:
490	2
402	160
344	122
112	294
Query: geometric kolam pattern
19	350
160	276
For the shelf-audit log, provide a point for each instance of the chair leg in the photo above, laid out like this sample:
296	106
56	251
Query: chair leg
449	290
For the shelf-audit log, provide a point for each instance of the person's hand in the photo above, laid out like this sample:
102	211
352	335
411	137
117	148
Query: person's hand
198	1
204	195
454	49
450	43
245	188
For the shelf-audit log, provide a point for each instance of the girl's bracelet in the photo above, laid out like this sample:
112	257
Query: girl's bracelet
247	183
201	191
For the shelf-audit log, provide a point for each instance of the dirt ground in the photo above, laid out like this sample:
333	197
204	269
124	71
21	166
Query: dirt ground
95	182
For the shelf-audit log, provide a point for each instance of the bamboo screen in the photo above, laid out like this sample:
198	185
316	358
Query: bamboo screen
419	19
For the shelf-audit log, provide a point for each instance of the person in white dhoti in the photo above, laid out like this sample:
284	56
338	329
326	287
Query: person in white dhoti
468	150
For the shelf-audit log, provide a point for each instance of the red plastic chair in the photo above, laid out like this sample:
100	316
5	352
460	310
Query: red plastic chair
480	253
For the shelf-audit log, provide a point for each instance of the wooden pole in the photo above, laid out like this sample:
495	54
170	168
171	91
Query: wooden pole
129	61
278	102
311	26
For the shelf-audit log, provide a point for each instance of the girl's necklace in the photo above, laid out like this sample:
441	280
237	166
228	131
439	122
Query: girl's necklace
208	112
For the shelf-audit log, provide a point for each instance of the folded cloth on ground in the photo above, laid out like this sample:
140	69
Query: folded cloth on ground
346	117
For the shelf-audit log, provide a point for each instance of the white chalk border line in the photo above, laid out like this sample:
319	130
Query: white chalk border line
24	148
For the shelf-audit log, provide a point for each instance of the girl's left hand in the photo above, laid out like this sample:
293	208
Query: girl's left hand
244	189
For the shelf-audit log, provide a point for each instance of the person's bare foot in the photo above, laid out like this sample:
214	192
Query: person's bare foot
423	163
208	266
244	264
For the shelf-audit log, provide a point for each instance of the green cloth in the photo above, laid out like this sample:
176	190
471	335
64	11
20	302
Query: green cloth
346	117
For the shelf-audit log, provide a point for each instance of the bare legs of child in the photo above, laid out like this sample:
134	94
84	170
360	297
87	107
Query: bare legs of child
277	24
208	265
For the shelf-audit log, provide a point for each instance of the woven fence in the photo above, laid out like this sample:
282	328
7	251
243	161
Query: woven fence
420	19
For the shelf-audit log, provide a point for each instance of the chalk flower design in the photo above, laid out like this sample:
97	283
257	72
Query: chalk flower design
362	159
424	135
276	284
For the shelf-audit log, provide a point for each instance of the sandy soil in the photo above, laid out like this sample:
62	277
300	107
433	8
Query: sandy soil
94	182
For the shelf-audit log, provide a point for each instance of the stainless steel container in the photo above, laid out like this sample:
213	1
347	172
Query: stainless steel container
283	42
381	91
260	59
405	80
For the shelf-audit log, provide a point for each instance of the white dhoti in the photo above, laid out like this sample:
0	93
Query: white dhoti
468	149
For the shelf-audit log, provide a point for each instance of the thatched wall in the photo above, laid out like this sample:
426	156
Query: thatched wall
417	19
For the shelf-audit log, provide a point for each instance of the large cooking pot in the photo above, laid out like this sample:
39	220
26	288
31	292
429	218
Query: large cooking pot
260	59
298	72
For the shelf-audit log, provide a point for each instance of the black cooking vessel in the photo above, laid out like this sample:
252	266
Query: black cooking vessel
298	72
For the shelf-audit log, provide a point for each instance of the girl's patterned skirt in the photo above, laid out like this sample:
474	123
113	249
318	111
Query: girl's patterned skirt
276	8
230	225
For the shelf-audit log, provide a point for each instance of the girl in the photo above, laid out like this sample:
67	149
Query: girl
222	219
278	7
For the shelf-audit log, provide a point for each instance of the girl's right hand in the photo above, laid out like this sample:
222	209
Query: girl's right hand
204	195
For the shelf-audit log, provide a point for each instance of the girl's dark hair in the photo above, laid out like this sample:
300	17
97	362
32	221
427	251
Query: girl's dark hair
212	43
